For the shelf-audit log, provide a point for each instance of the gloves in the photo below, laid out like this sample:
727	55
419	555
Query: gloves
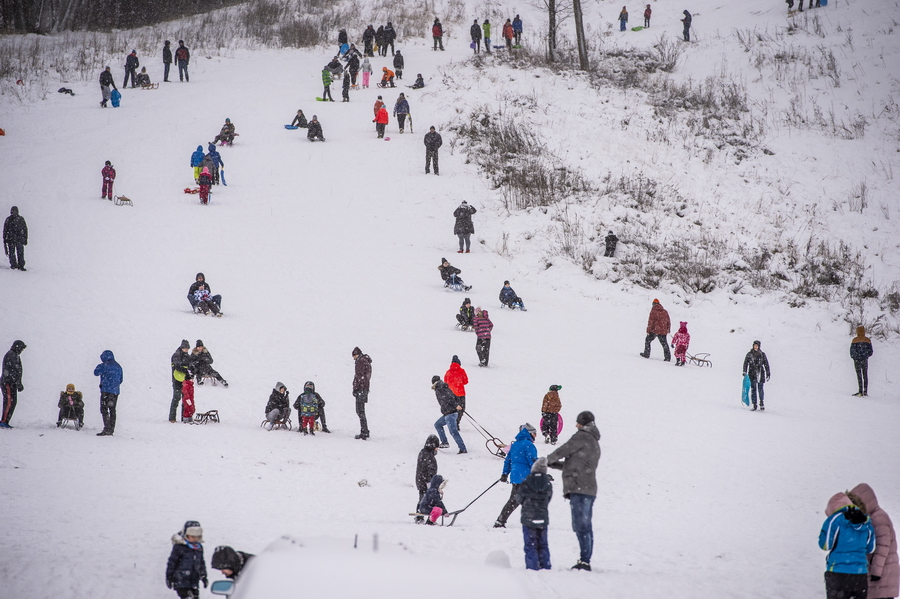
745	374
169	582
768	376
21	387
874	578
504	478
673	345
205	582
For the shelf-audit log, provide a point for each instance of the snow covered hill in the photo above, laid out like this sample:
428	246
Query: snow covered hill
317	248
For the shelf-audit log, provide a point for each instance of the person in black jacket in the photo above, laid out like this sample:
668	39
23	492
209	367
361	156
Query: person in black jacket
186	568
475	33
379	40
310	387
106	81
229	561
314	130
11	381
15	238
131	65
466	315
451	412
433	142
167	60
860	352
398	64
433	499
181	369
201	279
611	242
534	495
342	38
450	275
201	364
426	468
362	376
299	120
756	366
278	407
464	228
368	40
353	65
389	36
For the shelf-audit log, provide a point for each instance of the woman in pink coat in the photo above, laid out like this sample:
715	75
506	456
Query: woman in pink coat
680	341
884	567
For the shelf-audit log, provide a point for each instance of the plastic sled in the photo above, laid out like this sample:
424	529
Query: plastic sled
745	393
387	139
291	127
638	28
559	424
115	97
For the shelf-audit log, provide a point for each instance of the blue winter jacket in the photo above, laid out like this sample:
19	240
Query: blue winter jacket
197	157
186	567
215	156
401	107
110	373
847	542
507	294
521	456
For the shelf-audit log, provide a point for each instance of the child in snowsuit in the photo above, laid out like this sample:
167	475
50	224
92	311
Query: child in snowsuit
432	503
187	401
143	78
420	82
450	275
71	406
848	537
483	326
299	120
681	341
109	177
534	495
550	414
860	352
205	182
366	72
204	300
307	405
327	79
387	77
381	121
509	298
196	161
466	315
647	12
278	407
426	468
314	130
345	89
186	568
756	366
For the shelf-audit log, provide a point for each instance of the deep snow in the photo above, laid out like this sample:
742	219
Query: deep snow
317	248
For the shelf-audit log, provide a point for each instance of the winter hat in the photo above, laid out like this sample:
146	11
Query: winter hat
356	352
468	301
444	260
837	501
14	210
315	118
585	418
611	231
757	343
70	388
555	387
506	282
108	163
540	465
531	430
279	385
167	42
655	301
383	69
194	531
185	344
227	120
435	379
379	97
199	343
455	360
309	385
133	51
205	170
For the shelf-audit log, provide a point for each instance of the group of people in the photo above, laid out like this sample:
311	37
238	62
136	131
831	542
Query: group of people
188	365
186	567
511	34
208	167
686	20
182	58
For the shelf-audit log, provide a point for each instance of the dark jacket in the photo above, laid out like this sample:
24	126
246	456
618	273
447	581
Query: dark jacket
401	107
314	130
278	401
432	496
578	458
426	467
196	284
398	63
110	373
15	230
353	63
861	346
167	54
475	32
433	140
132	62
363	373
379	35
448	271
389	34
611	241
687	19
77	400
201	361
534	494
12	365
186	567
369	35
299	121
342	37
182	53
468	314
463	216
446	399
756	365
106	79
226	558
182	362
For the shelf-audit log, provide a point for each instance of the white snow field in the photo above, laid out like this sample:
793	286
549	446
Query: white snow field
317	248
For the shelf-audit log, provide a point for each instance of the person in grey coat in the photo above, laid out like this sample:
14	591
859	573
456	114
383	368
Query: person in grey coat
464	228
578	458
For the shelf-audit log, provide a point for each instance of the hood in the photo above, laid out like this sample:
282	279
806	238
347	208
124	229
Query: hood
356	351
593	431
278	386
199	276
107	356
211	148
838	501
432	442
657	307
523	435
484	313
200	149
14	211
865	492
436	481
539	466
861	336
309	385
682	328
17	346
205	170
455	367
226	558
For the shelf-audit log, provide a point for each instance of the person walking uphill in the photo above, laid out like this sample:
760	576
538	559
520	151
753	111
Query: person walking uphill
15	238
110	374
451	412
131	65
433	142
463	228
361	377
401	110
437	34
398	64
181	369
611	242
848	537
860	352
11	381
109	177
687	25
756	366
106	81
483	326
508	34
516	468
534	495
475	34
457	379
658	326
884	567
578	458
183	58
167	60
681	341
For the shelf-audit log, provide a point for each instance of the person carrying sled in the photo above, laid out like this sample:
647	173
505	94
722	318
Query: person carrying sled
611	242
475	34
109	177
432	503
106	81
534	496
420	82
299	120
457	379
278	408
131	65
387	77
463	228
623	19
381	121
860	352
437	35
198	280
183	58
366	69
433	142
849	537
205	182
314	130
680	342
398	64
756	366
466	315
181	364
647	12
426	468
483	326
71	407
205	302
658	327
401	109
229	561
516	468
550	409
450	275
111	378
201	364
186	568
226	134
362	375
451	411
307	405
687	25
509	298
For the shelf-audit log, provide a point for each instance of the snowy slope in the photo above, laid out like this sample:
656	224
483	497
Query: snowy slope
317	248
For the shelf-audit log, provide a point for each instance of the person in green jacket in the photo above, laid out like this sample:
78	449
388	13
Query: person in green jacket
486	27
326	80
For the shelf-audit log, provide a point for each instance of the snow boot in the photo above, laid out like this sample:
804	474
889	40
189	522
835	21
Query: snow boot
499	524
643	355
753	409
580	565
443	446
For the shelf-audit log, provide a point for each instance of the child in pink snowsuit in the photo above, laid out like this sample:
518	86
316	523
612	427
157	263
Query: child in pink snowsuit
109	175
680	341
187	400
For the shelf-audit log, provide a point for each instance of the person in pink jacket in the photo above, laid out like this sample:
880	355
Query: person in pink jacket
680	341
884	566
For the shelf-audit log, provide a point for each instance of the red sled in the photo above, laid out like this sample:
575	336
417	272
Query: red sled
559	424
191	190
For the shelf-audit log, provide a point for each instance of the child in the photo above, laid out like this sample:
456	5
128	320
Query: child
187	401
109	177
205	182
420	82
387	77
509	298
550	414
426	468
71	406
186	567
466	315
680	341
449	274
327	78
432	503
366	72
345	90
143	78
205	302
307	405
299	120
534	494
848	537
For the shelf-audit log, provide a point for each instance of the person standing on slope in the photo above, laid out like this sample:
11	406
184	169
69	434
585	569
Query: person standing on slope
426	468
109	177
756	366
15	238
475	34
578	458
516	468
884	567
361	377
106	81
110	374
368	40
181	363
508	34
131	65
658	327
167	59
183	58
326	81
389	36
517	30
433	142
366	72
681	341
457	379
398	64
611	241
860	352
464	228
550	408
11	381
647	12
486	29
849	537
623	19
483	326
437	34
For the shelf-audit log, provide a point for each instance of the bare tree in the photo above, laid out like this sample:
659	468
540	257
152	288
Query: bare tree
579	35
557	12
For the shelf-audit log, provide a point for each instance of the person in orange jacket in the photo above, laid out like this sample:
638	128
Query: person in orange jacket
457	379
387	78
381	121
508	34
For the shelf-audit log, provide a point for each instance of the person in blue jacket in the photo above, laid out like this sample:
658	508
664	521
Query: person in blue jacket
110	374
848	536
196	161
516	468
217	162
509	298
860	352
517	30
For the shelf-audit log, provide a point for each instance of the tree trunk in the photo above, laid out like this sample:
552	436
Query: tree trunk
579	34
551	35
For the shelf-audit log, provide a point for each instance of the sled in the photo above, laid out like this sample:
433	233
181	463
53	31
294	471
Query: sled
292	127
222	176
823	2
472	46
494	445
115	97
149	85
638	28
66	90
387	139
559	424
745	392
284	423
206	417
122	201
70	419
192	189
699	359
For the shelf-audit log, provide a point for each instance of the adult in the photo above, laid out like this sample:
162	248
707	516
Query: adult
71	406
361	377
647	12
578	458
623	19
611	242
379	40
437	35
451	412
464	228
756	366
342	38
314	130
884	567
110	374
426	468
381	121
201	363
327	79
398	64
368	40
516	468
433	142
181	369
457	379
483	326
167	59
11	381
687	25
860	352
109	177
15	238
486	29
200	279
401	110
508	34
517	29
353	66
278	408
197	157
475	34
658	326
389	36
131	65
106	81
230	562
226	133
183	57
848	536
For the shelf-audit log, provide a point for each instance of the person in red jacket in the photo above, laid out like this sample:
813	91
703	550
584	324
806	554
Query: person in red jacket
109	176
205	184
457	379
187	401
658	326
381	121
437	33
647	13
508	34
681	341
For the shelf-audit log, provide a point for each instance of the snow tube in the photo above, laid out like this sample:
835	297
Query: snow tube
559	424
115	97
